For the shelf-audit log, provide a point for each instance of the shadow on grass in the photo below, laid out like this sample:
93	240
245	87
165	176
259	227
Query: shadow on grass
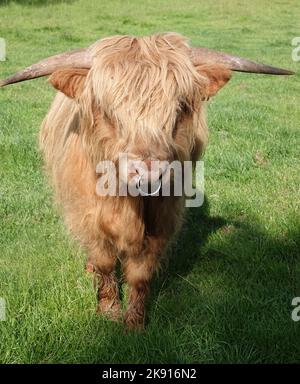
225	297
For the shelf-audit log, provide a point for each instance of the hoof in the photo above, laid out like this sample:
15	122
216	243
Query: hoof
89	268
110	310
134	321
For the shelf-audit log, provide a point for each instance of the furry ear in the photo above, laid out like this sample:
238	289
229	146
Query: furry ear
70	81
217	74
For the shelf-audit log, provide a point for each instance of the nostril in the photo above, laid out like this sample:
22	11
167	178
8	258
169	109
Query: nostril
139	171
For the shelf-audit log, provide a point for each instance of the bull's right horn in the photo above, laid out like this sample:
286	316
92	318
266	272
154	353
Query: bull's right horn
79	58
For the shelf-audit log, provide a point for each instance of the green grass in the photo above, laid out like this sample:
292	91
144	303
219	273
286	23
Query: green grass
226	295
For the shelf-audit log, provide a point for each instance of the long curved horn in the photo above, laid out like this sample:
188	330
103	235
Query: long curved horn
79	58
235	63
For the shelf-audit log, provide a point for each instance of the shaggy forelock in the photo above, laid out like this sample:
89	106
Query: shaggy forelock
141	82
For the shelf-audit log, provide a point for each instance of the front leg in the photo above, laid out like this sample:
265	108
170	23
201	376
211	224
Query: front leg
139	270
134	317
108	296
102	260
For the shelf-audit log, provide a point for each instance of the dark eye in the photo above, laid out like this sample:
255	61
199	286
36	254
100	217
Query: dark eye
185	108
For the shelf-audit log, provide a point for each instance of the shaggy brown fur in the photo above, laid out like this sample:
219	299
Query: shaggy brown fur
144	97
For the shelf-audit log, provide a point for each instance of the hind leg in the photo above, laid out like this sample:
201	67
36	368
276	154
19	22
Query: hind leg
102	261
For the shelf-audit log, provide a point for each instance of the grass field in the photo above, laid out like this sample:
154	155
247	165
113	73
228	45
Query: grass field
226	295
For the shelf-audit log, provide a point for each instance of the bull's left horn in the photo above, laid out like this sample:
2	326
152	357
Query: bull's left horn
79	58
235	63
